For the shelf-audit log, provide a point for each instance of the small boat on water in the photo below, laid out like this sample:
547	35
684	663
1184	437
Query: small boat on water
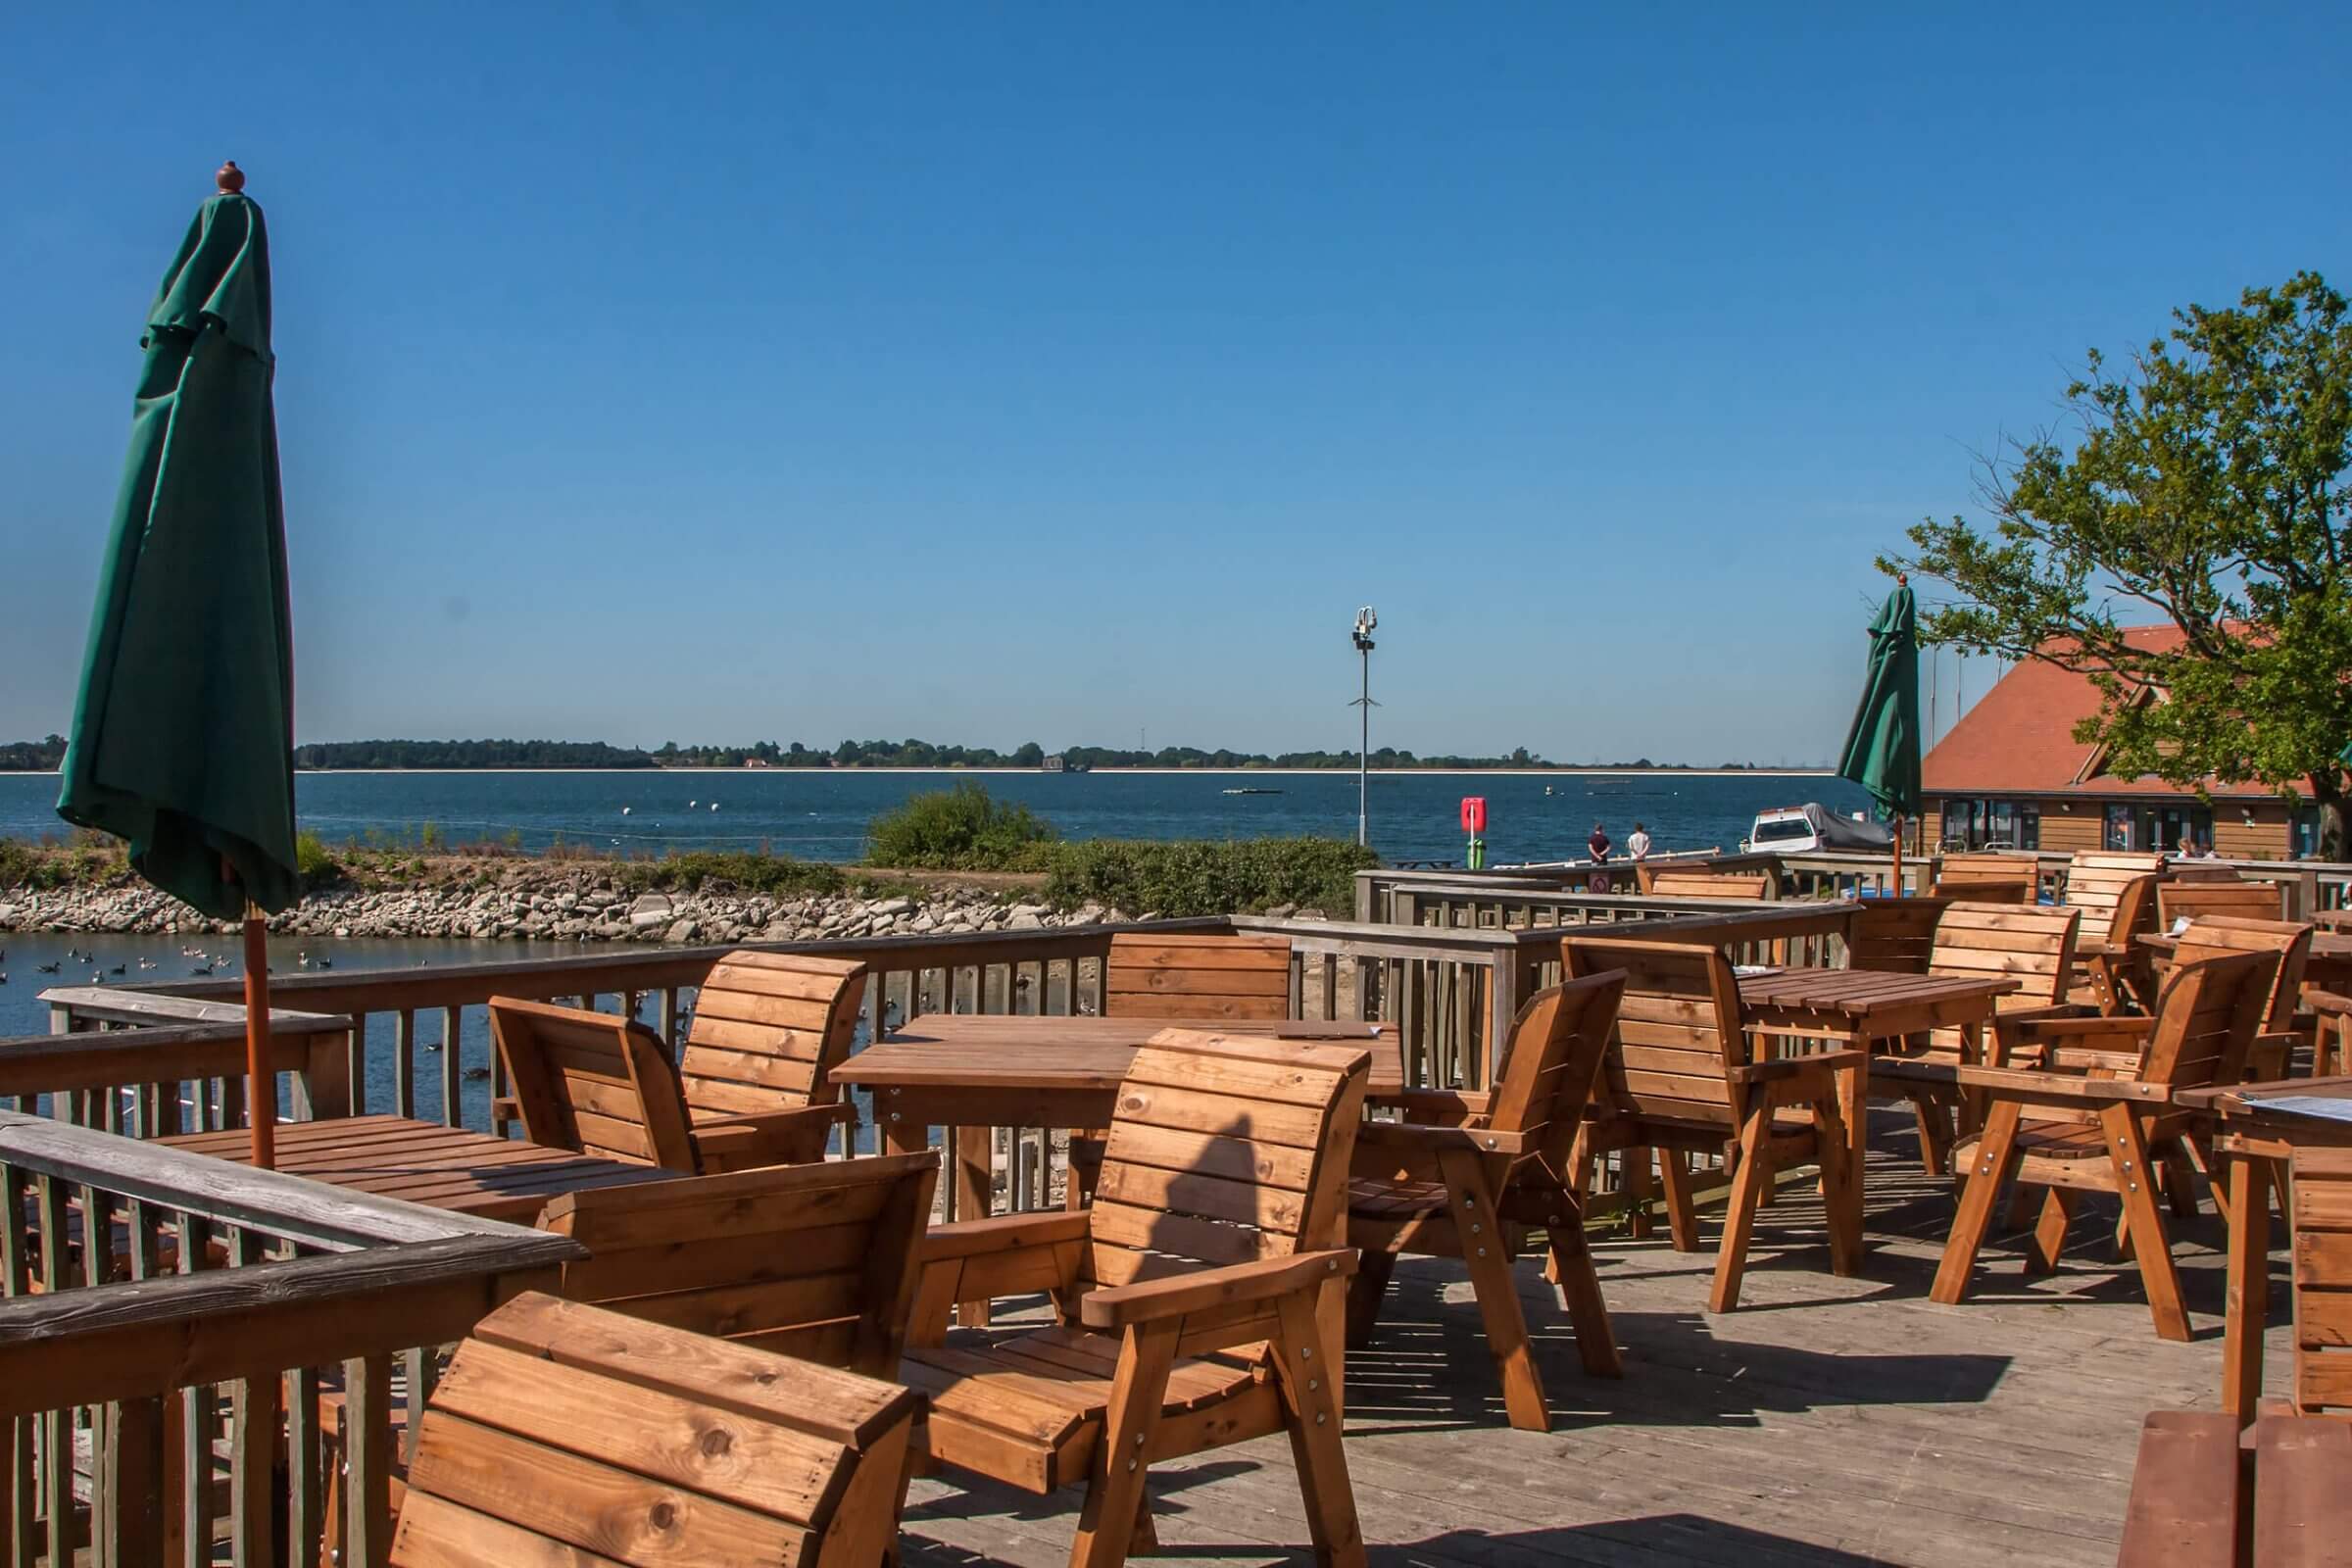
1249	791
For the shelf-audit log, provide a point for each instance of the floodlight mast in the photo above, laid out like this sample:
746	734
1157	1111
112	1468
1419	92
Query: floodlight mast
1365	620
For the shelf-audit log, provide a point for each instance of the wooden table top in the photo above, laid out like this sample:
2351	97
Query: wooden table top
1080	1054
1860	993
424	1163
2243	1100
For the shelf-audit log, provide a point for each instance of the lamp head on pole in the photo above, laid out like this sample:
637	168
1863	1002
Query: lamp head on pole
1365	619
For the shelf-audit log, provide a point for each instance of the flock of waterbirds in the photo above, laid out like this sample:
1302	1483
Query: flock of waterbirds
210	963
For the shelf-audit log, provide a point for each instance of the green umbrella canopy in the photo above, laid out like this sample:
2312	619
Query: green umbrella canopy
1882	750
182	738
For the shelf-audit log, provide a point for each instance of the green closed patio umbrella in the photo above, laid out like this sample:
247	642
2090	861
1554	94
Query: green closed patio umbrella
1881	750
183	736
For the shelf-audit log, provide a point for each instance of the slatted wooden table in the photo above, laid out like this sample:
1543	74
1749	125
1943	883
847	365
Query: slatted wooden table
2251	1138
1864	1008
971	1073
2201	1497
425	1162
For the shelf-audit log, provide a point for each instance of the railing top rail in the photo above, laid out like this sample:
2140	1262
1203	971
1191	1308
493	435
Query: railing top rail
313	1213
122	1004
141	1337
44	1064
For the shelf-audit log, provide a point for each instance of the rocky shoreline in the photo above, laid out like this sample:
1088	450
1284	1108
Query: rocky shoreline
533	900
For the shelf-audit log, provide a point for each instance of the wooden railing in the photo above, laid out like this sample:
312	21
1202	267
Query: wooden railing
170	1323
167	1064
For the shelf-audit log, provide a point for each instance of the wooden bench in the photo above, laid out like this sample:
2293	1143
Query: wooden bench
2181	898
1678	1078
1206	978
1467	1175
568	1433
1669	883
1201	1294
1989	878
2116	891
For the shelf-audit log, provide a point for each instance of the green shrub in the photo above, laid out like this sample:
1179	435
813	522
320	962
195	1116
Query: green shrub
1196	877
773	874
316	862
959	829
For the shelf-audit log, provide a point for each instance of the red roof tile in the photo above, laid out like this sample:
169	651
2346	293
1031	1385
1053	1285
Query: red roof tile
2018	738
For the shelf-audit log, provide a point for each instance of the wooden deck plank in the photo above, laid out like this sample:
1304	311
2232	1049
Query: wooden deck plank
1829	1422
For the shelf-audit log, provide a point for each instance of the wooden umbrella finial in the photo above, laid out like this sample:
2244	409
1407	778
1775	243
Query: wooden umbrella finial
231	178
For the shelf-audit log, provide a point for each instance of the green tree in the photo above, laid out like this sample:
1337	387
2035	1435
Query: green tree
2204	490
1029	755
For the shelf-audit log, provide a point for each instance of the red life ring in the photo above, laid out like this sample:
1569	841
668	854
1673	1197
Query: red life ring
1597	882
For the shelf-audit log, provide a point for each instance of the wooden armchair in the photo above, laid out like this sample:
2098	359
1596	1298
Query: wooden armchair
1467	1175
2099	1119
1679	1078
1209	978
818	1261
1991	877
565	1434
1666	882
1201	1294
2181	898
2033	945
755	1083
2117	894
1893	936
2282	1026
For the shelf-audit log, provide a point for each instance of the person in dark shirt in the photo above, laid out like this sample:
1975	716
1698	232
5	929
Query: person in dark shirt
1598	843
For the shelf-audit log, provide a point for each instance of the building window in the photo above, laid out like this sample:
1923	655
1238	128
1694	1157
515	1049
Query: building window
2303	833
2165	827
1992	824
2119	834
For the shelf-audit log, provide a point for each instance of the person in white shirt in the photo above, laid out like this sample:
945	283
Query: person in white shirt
1637	843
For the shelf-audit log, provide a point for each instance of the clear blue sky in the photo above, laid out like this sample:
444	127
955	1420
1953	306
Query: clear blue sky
998	373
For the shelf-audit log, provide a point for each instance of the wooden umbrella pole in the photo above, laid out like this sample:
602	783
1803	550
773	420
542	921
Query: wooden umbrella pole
1898	890
261	1083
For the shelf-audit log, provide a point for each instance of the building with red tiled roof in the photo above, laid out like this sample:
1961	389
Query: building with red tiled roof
2011	773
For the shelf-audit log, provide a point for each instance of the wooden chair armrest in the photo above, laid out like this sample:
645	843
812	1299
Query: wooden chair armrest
766	1136
506	1107
2082	1060
2023	1084
2053	1031
2327	1001
1782	1067
1004	1232
1269	1278
1416	1135
1445	1108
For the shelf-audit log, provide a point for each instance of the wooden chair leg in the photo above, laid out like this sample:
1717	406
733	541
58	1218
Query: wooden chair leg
1107	1525
1935	1135
1995	1158
2022	1208
1569	1265
1840	1193
1312	1419
1682	1213
2049	1235
2128	1149
1478	1228
1365	1293
2180	1186
1637	1190
1740	1216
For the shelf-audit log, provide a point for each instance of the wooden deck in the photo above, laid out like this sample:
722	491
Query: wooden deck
1827	1422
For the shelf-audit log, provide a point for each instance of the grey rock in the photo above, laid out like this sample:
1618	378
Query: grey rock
682	932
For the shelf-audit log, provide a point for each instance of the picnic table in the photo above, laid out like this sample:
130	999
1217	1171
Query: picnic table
2250	1131
1863	1010
454	1168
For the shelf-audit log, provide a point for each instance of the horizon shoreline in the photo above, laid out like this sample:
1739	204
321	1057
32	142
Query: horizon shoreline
1237	772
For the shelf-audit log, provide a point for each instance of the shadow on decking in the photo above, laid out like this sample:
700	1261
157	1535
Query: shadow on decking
1653	1542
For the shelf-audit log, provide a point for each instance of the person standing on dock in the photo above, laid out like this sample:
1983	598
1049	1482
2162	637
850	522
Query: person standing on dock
1636	843
1598	843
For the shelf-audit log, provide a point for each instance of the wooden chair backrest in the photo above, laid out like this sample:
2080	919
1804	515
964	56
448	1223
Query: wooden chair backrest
602	1087
2113	890
1551	1062
2214	935
2206	1018
1678	1027
2196	898
1667	883
1224	1151
2322	1256
2033	944
769	1030
1893	936
1989	878
562	1433
818	1261
1155	975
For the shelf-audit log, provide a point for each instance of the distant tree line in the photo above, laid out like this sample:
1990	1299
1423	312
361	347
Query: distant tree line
361	755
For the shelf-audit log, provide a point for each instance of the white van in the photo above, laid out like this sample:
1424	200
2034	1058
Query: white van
1810	827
